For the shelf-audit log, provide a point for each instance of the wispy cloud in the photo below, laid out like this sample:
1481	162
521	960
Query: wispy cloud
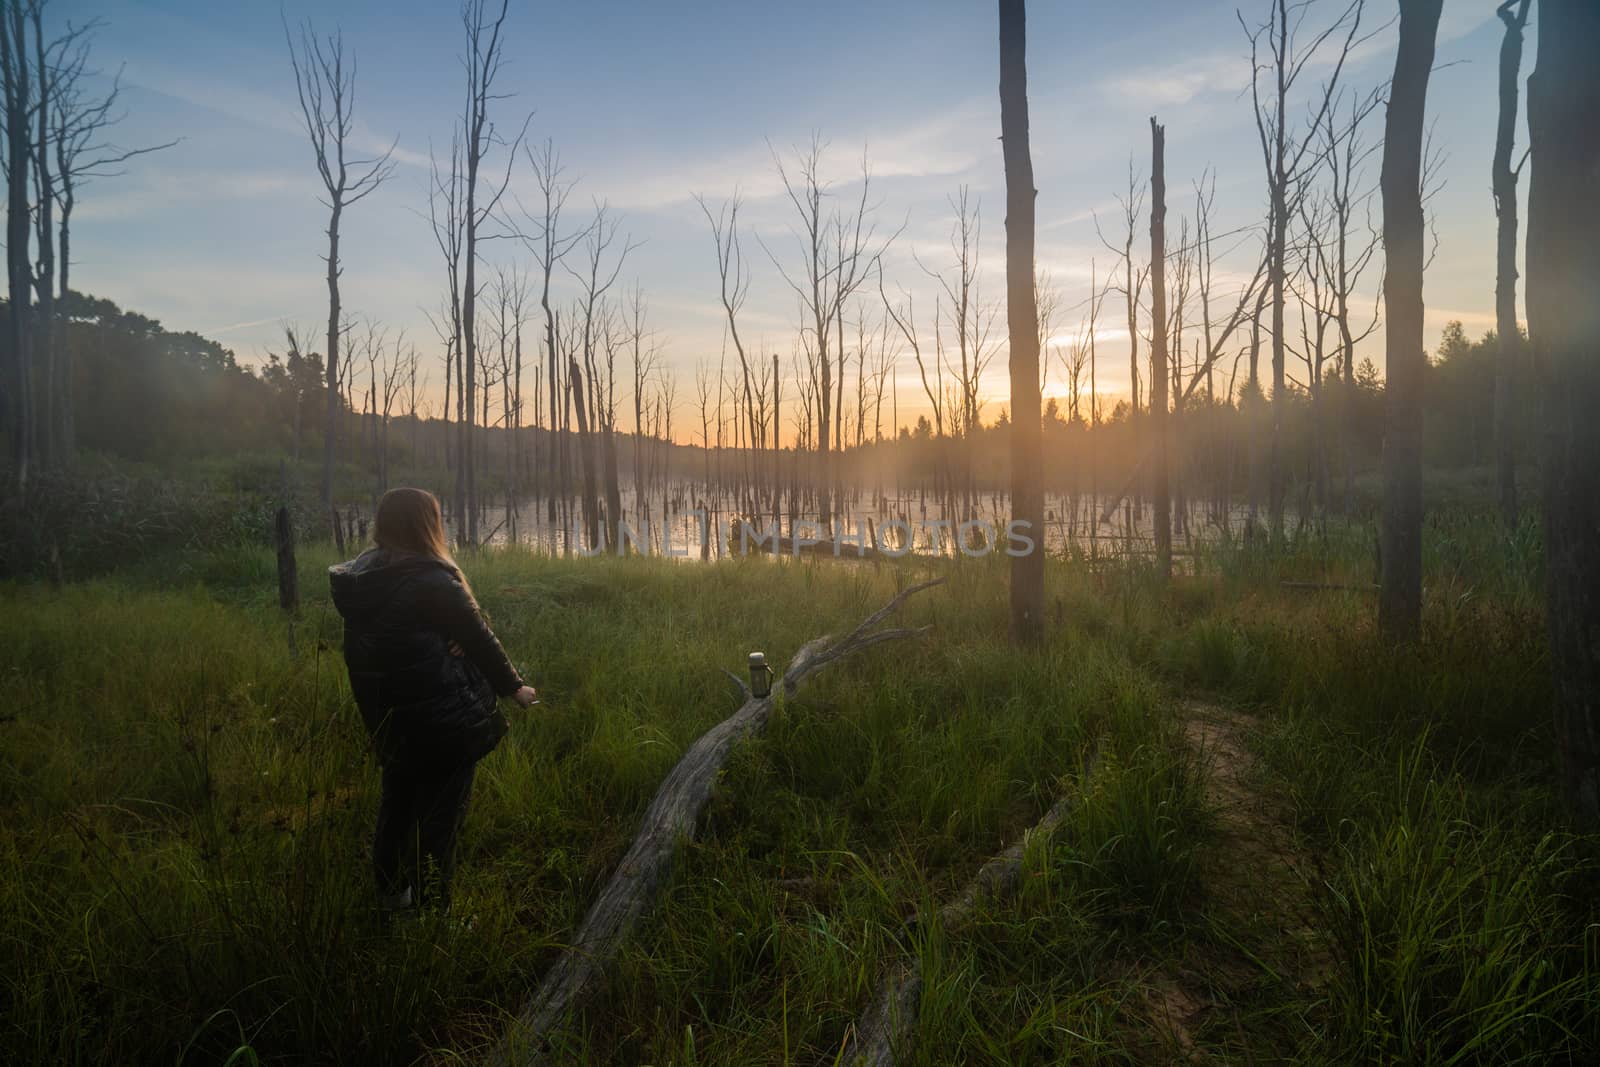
266	111
152	190
1171	84
232	327
943	145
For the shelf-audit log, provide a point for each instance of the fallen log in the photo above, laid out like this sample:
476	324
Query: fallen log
670	820
884	1036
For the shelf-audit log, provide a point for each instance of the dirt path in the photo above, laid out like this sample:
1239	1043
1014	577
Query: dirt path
1253	889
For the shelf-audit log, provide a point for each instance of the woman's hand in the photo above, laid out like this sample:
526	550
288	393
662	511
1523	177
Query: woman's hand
527	696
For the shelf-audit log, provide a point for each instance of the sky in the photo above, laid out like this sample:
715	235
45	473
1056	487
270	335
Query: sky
652	103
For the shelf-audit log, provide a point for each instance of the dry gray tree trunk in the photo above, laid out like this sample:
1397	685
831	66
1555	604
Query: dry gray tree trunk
669	821
326	90
886	1029
1022	322
1504	177
1563	264
1400	601
1161	491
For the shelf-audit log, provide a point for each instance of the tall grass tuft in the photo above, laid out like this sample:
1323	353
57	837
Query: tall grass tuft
1457	941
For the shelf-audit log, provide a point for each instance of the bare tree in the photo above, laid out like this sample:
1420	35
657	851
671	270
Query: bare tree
1217	334
972	321
1161	497
903	315
47	74
79	124
702	392
511	298
596	278
735	285
1132	288
1400	598
838	251
1563	260
1504	179
415	412
1312	285
326	86
549	247
446	204
484	55
396	363
1347	257
60	65
646	361
18	89
1027	495
36	77
1291	49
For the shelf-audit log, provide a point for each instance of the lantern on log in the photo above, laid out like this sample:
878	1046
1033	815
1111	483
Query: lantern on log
760	675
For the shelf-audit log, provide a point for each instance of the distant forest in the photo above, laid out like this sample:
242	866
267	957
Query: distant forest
150	395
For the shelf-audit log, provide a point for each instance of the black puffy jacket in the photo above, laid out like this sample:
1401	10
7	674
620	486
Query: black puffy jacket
425	708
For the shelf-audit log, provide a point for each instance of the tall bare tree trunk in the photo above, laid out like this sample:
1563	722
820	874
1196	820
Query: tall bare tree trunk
1160	487
777	449
330	421
326	92
552	363
485	50
608	448
44	350
1022	321
1250	409
1563	259
591	502
1505	289
18	94
1276	480
66	398
1400	597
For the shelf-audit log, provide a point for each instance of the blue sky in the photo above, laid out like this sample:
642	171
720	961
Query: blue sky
652	102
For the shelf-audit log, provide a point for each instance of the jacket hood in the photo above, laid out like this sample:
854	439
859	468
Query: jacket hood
362	586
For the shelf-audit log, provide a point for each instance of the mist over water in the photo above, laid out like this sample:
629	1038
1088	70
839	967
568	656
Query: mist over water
683	524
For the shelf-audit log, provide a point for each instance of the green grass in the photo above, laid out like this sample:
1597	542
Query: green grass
184	805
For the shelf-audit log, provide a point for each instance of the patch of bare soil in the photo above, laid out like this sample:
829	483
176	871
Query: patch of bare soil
1254	887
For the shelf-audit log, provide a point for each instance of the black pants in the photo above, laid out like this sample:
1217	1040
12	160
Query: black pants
419	819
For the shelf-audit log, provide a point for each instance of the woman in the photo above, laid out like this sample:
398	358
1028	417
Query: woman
425	670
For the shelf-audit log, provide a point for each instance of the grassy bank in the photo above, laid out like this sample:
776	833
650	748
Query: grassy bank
184	807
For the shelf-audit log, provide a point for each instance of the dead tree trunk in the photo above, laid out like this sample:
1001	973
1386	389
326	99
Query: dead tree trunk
1505	289
1563	258
326	90
1161	490
1400	601
44	347
670	820
18	411
591	502
1022	322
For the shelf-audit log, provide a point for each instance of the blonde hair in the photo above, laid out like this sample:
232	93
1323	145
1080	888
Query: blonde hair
409	520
